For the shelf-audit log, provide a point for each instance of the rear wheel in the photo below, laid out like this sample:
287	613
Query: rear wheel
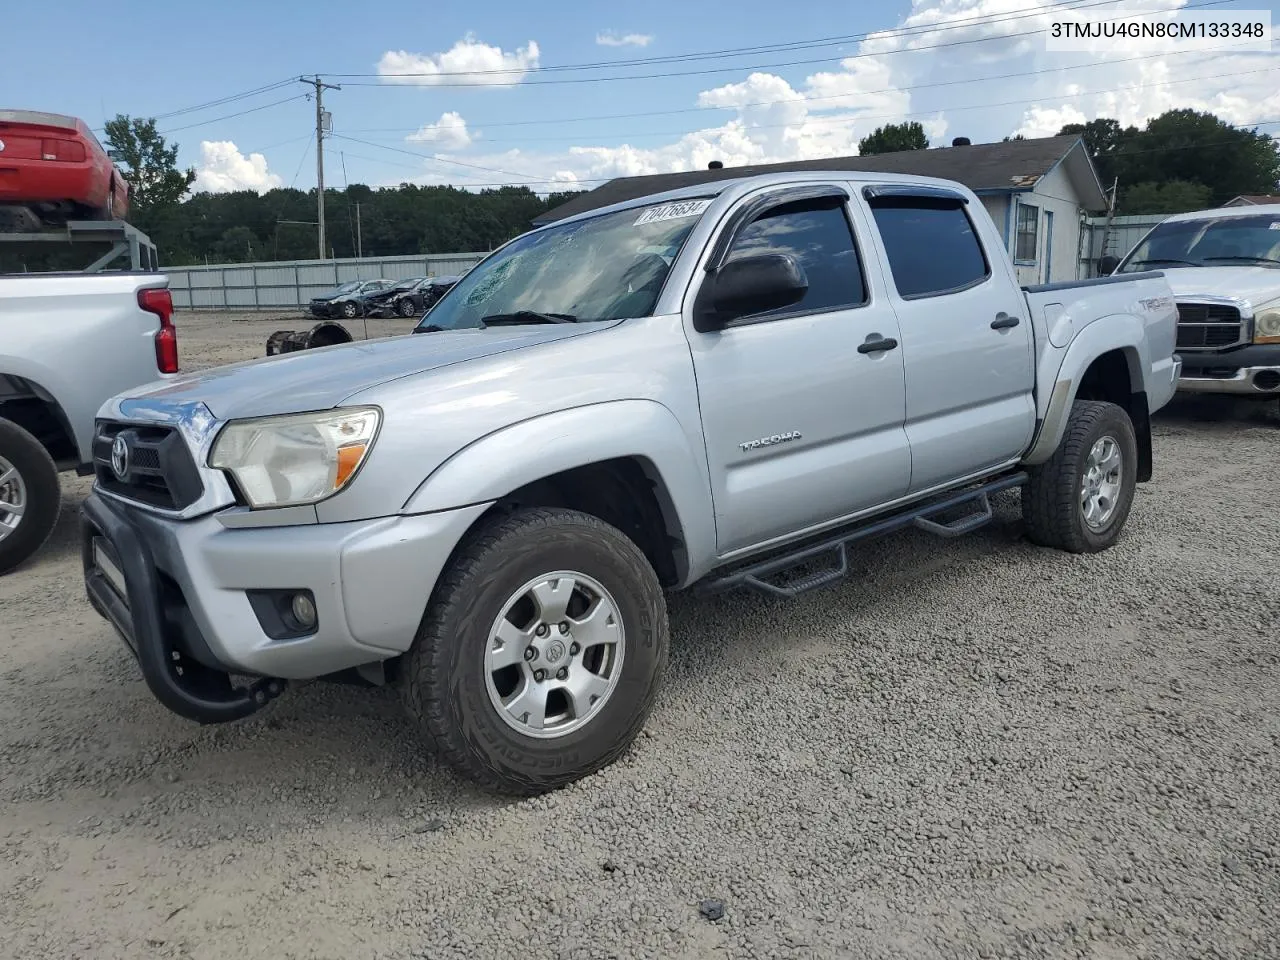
541	653
29	495
1079	499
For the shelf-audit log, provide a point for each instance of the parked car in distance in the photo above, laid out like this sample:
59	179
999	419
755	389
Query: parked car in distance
380	303
345	300
53	169
68	342
1223	266
422	297
488	517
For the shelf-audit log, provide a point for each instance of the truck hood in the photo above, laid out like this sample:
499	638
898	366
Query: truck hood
1258	285
323	377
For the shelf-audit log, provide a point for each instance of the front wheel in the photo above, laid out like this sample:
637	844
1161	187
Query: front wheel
541	653
406	308
1078	500
349	309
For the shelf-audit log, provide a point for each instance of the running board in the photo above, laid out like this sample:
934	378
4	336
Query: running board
755	576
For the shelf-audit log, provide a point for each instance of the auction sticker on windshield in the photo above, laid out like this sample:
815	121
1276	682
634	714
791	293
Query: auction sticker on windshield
672	211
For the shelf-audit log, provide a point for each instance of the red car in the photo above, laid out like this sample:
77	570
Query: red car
53	169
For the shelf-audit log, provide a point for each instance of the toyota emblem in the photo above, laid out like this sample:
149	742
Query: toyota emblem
120	457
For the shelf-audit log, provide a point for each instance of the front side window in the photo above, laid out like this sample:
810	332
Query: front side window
931	245
1252	240
1026	243
821	241
607	267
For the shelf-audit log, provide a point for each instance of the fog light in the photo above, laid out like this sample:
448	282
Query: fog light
304	610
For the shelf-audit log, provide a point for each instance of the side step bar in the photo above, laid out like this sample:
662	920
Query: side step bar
754	576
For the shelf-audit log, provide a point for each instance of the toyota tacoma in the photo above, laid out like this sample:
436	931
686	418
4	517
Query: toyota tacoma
719	387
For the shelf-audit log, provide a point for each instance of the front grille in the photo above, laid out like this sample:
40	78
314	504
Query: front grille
160	470
1209	326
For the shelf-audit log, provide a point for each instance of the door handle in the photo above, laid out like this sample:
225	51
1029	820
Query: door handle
1003	322
877	346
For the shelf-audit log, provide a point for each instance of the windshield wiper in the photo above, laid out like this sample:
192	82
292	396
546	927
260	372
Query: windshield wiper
1247	259
526	316
1185	263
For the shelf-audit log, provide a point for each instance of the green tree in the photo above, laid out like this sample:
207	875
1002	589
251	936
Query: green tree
1105	140
893	137
150	166
1174	196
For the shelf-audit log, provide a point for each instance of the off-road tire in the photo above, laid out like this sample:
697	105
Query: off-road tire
44	495
1051	510
443	681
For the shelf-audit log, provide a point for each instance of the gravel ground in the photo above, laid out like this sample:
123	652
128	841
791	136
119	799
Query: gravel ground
976	748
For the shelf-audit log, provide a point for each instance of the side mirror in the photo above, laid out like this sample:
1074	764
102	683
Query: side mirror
1107	265
768	281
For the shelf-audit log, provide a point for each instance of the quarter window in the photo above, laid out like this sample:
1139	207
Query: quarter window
931	245
1026	243
820	239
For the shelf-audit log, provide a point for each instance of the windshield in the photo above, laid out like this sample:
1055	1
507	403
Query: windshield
349	286
1222	241
407	284
603	268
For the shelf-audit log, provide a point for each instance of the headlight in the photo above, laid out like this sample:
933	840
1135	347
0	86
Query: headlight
296	459
1266	326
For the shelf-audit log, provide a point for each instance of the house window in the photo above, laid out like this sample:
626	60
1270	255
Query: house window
1026	240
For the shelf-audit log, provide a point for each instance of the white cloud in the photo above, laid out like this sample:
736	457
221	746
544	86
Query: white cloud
609	38
223	168
957	86
485	65
448	133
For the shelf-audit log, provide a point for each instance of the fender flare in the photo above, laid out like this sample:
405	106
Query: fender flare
47	386
1121	331
507	459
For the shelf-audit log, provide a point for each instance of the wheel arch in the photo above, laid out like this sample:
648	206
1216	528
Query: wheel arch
28	404
628	462
1106	361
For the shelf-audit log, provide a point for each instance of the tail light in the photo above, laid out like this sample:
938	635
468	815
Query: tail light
159	301
68	151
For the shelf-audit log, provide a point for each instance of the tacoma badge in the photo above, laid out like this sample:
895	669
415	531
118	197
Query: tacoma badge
770	441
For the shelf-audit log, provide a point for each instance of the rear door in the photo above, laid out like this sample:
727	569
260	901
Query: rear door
802	428
966	340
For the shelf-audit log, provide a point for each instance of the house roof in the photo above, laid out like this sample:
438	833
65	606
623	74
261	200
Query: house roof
1252	199
1008	166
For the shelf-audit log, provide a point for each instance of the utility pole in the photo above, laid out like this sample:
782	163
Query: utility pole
320	119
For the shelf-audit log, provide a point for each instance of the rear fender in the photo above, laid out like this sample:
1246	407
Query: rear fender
1062	377
503	461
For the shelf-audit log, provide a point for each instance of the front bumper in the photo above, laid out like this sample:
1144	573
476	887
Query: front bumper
1252	371
185	609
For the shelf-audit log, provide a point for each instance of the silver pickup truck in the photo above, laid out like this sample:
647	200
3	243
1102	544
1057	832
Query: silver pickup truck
68	342
718	387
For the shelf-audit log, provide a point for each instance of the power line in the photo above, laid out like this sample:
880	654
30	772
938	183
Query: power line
732	69
891	33
771	103
231	116
425	156
230	98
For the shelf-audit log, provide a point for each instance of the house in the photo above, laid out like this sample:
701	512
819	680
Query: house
1252	200
1037	191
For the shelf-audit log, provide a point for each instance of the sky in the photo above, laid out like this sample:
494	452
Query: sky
478	94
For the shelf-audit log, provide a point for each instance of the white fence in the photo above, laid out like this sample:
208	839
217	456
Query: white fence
288	284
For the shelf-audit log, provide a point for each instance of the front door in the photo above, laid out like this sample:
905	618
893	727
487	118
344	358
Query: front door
966	335
801	428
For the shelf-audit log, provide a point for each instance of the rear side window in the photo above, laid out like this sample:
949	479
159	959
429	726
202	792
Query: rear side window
819	237
931	244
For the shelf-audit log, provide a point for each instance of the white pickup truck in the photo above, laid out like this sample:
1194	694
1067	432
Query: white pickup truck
68	342
712	387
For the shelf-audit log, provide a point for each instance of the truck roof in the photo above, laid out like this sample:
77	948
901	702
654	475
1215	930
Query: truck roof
740	185
1217	213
